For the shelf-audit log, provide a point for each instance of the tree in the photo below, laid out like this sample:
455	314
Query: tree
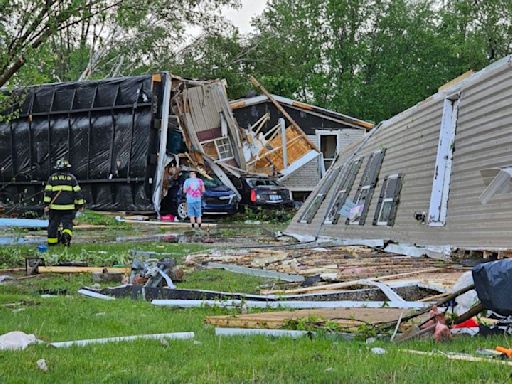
27	24
73	39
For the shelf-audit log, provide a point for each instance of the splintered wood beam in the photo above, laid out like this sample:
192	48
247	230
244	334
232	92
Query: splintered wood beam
280	108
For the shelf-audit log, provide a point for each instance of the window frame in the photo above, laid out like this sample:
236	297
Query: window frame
392	199
225	144
347	180
376	159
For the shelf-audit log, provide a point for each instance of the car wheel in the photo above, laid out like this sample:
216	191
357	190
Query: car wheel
182	211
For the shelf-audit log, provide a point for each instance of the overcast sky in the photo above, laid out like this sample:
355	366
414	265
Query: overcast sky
241	18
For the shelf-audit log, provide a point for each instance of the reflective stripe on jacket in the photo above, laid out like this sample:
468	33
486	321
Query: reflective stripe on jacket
63	193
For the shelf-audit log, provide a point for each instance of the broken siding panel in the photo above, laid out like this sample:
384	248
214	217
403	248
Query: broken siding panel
430	237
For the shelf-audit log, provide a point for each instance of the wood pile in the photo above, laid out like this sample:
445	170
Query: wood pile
336	264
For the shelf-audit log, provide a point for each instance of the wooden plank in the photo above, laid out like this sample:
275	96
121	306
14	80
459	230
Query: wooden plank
264	332
63	269
349	283
344	317
257	272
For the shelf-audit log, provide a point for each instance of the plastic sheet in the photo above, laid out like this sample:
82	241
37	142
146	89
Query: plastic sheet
493	283
104	129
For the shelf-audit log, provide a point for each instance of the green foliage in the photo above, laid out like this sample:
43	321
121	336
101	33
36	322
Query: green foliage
269	215
367	58
70	40
365	331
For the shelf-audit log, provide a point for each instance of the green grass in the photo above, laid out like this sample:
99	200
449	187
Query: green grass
207	358
96	254
94	218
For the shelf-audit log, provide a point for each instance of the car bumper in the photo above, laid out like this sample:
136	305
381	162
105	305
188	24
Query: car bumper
219	210
272	204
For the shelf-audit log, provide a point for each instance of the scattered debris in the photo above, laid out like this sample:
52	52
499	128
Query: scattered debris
42	365
88	293
378	351
16	340
155	336
4	278
153	272
337	263
257	272
456	356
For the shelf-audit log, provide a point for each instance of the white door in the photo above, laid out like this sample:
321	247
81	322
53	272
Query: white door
441	183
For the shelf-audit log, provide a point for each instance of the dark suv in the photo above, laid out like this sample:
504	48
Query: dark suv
217	199
263	192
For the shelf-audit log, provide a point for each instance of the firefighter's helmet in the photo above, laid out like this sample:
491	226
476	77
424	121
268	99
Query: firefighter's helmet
62	164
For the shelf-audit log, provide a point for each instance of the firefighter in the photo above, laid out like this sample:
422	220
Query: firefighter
62	197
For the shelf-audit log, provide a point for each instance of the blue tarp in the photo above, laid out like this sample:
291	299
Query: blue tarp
23	223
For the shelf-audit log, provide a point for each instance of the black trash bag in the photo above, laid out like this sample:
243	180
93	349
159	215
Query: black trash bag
493	283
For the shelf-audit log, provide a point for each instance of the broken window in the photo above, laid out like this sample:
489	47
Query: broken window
224	148
388	200
346	181
366	188
441	183
312	206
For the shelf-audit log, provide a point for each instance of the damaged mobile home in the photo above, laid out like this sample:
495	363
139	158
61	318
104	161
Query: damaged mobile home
330	132
436	175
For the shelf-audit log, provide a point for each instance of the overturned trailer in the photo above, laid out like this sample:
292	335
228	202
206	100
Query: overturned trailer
437	175
111	131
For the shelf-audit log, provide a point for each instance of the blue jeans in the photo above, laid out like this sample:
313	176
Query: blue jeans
194	208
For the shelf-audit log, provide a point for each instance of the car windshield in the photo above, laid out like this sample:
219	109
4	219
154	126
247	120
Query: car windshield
253	183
